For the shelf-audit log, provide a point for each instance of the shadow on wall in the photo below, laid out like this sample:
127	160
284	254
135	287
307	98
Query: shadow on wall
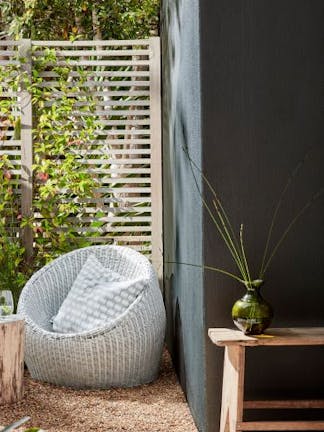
174	137
174	287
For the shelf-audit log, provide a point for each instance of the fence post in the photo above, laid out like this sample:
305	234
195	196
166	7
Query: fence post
156	156
26	150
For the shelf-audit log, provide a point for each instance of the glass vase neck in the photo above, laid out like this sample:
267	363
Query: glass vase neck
253	285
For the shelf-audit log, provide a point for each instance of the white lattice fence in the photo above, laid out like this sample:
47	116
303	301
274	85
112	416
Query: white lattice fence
18	111
122	79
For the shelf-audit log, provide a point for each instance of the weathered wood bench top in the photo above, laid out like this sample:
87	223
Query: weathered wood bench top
274	336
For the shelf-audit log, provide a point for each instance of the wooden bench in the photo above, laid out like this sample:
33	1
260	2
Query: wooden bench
233	403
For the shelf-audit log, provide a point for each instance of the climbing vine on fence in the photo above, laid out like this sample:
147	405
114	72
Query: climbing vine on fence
95	137
60	180
13	271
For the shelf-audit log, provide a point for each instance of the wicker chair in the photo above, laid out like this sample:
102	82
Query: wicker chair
124	353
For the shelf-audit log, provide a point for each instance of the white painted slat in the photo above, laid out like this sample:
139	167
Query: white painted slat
124	201
97	83
102	93
124	132
132	42
125	239
5	124
117	210
117	170
7	53
132	122
107	151
123	141
125	180
115	161
110	133
10	94
116	192
142	248
115	74
10	152
15	172
9	143
112	219
10	43
26	149
111	63
114	240
8	133
95	53
123	190
15	162
9	63
113	113
111	229
110	103
157	222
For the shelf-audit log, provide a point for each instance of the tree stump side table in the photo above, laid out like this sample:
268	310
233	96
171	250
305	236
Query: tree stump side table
12	340
233	403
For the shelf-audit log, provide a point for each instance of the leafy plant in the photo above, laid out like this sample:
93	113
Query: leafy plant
235	242
66	127
13	273
60	179
18	423
116	19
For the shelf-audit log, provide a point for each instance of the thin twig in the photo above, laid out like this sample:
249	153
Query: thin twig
243	254
235	250
291	224
228	241
206	267
277	208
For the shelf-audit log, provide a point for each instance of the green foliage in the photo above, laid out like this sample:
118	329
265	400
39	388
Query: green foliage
59	19
16	424
60	181
13	271
33	429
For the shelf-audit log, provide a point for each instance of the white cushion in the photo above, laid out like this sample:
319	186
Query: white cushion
97	297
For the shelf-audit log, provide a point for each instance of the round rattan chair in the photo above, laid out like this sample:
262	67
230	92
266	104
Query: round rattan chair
124	353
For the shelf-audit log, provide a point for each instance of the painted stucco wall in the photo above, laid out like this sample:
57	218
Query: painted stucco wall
256	99
262	72
182	205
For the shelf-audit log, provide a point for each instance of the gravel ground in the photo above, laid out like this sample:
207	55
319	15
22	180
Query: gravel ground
156	407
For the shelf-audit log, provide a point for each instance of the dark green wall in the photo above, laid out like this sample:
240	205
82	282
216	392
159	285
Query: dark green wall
262	75
261	104
182	205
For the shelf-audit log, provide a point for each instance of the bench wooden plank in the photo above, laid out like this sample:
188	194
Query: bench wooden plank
302	336
281	426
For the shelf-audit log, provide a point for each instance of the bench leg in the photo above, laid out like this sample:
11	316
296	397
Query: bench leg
233	388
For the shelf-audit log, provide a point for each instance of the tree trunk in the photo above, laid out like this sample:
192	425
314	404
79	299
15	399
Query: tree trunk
11	360
97	35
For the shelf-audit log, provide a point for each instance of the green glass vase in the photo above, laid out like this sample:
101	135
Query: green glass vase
251	313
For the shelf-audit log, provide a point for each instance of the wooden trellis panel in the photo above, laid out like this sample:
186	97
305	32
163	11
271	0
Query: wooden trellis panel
15	133
123	83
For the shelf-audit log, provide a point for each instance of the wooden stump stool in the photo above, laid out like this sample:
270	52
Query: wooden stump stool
12	337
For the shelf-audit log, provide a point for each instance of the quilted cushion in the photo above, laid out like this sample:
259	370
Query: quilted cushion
97	297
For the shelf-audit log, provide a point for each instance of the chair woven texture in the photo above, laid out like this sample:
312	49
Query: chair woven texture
124	353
